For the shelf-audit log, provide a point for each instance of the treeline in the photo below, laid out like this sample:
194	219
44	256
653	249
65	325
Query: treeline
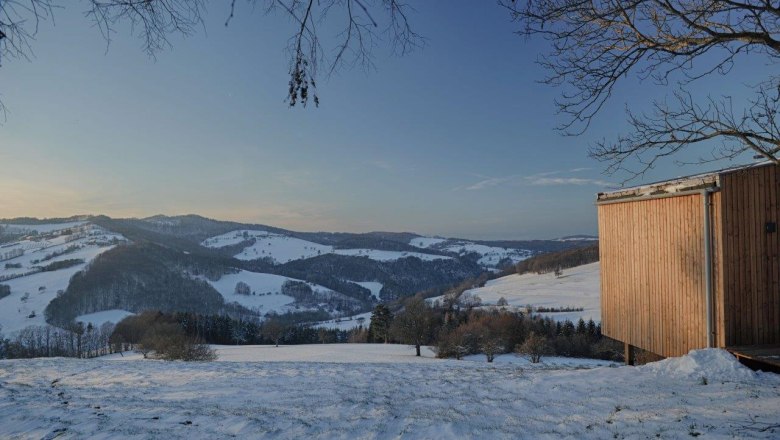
546	263
455	332
78	340
224	330
398	278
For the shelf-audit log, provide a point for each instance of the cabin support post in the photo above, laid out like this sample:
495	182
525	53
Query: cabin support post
628	353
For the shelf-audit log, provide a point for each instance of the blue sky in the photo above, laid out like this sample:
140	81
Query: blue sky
456	139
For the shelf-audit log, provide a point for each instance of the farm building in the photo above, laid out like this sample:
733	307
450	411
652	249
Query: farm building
693	262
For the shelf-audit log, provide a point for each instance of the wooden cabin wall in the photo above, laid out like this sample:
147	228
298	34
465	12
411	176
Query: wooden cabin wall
652	278
751	269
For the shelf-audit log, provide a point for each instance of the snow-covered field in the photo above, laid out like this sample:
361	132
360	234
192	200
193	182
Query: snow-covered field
577	287
491	256
374	286
380	255
395	398
266	288
283	249
347	322
32	290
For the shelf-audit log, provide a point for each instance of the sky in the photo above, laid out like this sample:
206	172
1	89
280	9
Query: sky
456	139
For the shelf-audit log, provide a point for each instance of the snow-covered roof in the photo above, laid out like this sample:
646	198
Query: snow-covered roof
680	184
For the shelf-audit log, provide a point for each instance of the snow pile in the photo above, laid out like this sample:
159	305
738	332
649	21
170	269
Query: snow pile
712	364
421	398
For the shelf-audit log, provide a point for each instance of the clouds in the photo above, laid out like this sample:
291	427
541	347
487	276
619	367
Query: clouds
561	178
553	181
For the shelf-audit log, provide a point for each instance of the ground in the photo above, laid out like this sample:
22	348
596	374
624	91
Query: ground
298	396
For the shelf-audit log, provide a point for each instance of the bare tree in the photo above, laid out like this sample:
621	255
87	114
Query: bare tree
413	325
535	346
673	42
360	25
274	330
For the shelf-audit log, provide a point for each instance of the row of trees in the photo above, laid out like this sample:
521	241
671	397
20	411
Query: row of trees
457	332
557	261
77	340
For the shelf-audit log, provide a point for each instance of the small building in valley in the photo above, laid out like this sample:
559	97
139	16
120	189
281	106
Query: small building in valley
693	262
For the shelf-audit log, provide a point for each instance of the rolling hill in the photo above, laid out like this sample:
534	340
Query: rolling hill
94	267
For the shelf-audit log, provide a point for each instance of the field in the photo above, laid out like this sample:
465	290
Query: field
578	287
382	391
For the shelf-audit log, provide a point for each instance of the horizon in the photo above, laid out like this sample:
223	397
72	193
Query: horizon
86	217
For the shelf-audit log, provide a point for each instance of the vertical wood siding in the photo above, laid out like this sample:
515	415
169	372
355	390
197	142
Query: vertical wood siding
652	273
751	266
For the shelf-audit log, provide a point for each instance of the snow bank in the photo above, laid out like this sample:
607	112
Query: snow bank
712	364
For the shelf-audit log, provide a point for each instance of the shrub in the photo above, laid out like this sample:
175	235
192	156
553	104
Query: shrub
160	336
535	346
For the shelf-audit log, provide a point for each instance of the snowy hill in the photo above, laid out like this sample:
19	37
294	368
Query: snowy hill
577	287
341	391
40	263
488	256
266	295
281	248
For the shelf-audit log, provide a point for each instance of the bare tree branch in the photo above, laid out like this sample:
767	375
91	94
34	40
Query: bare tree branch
595	44
155	21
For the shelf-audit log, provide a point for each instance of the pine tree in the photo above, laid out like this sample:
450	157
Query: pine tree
379	329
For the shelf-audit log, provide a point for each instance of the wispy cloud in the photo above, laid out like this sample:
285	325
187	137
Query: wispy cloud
553	181
563	177
491	182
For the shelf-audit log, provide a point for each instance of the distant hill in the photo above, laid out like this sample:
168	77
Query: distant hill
58	270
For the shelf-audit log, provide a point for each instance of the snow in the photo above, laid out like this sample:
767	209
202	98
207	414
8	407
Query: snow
363	391
578	287
337	353
280	248
346	323
380	255
86	241
546	362
374	286
99	318
426	242
490	256
283	249
267	288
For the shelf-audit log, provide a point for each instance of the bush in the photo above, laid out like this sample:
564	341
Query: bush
535	346
160	336
243	288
